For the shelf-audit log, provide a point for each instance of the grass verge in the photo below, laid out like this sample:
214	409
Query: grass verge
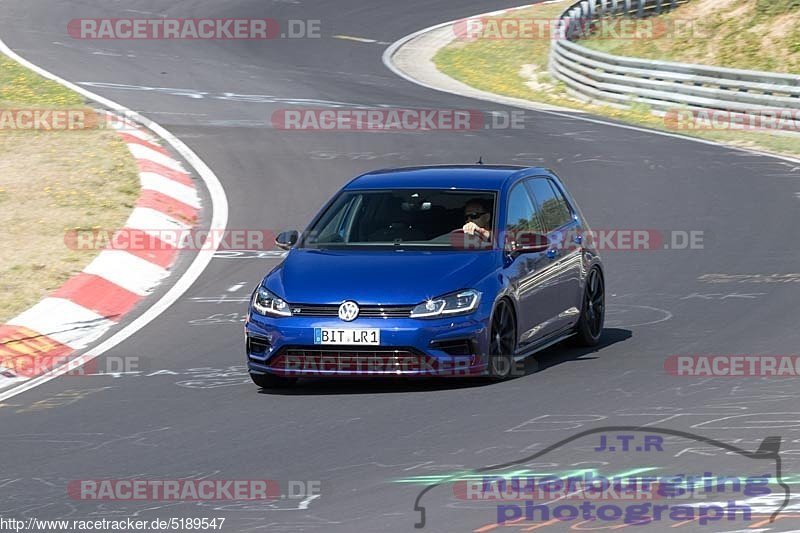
518	68
50	182
743	34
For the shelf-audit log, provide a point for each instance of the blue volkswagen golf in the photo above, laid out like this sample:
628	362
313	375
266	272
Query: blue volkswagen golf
428	271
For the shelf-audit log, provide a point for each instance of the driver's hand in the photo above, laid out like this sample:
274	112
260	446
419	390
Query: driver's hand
470	228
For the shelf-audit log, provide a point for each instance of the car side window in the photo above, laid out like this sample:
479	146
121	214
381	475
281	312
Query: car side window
551	204
521	213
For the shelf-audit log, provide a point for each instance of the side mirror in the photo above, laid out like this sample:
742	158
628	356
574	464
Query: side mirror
286	239
529	242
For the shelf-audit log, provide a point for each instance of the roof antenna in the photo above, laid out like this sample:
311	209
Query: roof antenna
479	161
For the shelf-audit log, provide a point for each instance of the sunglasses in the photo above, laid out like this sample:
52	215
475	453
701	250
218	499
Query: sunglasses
473	216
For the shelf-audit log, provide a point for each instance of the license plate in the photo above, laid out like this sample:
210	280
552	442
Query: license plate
361	336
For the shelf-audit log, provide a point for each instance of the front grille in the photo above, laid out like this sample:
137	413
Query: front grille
365	311
344	359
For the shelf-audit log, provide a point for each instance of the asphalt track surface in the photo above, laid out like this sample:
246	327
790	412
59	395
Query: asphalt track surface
203	419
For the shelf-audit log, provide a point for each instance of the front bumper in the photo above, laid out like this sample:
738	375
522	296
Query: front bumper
446	347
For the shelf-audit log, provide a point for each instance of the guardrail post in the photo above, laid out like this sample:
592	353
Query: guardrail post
561	30
569	24
574	19
584	21
658	7
640	9
628	7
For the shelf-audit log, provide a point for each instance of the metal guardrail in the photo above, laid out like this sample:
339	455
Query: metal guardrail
662	85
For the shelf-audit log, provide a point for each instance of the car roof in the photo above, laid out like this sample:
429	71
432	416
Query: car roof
470	177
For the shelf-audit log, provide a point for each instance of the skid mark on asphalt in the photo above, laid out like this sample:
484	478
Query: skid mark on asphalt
219	318
631	316
723	296
750	278
62	399
193	378
329	155
89	441
228	96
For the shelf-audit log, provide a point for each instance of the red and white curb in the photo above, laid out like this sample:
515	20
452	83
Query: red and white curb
89	304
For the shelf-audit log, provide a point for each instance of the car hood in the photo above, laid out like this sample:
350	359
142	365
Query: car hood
376	277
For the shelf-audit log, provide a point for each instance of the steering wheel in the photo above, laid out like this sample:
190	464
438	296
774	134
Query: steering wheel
466	235
461	239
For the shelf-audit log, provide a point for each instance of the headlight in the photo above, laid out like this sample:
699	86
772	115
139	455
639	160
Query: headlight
457	303
266	303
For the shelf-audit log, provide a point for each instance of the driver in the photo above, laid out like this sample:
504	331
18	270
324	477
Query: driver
478	214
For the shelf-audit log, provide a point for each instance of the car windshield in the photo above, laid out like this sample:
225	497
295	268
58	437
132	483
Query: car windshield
406	218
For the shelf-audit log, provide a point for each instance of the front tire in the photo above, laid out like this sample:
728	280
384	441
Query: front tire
593	312
502	342
271	381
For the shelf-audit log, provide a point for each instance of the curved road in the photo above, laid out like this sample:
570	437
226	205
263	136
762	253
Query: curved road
192	412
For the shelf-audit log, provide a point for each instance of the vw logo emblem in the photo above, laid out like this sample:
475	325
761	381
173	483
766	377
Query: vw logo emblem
348	311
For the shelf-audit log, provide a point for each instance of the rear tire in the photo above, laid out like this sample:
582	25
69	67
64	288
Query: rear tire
502	342
593	312
271	381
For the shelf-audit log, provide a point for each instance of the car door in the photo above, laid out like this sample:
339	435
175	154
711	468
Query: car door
562	229
528	272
